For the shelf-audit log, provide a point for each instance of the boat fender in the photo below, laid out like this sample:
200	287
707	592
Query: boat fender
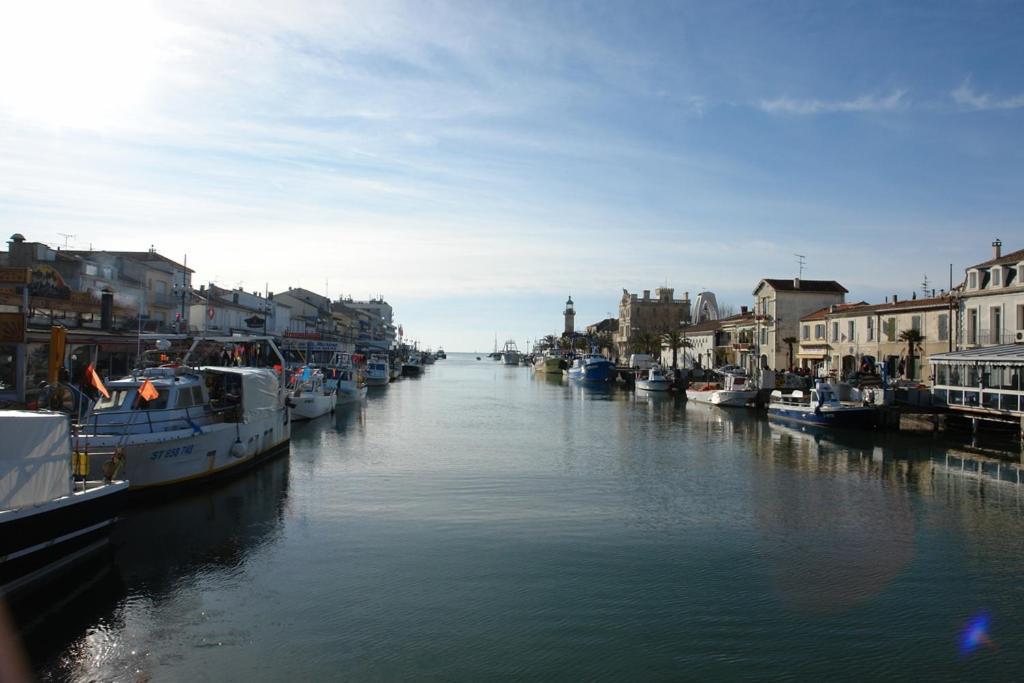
112	468
238	449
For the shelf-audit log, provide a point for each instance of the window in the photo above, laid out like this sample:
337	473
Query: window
115	401
915	323
851	330
871	329
972	326
90	269
943	326
890	329
995	324
805	332
184	398
1020	316
997	276
972	280
161	287
835	331
819	331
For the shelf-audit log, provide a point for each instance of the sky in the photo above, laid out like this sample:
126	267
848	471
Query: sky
477	162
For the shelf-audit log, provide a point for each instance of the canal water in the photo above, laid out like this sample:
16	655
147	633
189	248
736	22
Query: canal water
482	522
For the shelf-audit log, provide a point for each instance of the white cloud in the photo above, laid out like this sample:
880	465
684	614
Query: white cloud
966	97
864	103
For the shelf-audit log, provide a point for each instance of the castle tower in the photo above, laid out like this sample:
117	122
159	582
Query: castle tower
570	317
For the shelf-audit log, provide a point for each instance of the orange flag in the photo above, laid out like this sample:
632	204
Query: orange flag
148	391
94	379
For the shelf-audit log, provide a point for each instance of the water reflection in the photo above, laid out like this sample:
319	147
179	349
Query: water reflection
162	553
835	534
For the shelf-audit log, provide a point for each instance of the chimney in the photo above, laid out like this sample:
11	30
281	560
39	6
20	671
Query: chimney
647	294
997	248
106	308
796	283
832	308
895	298
743	310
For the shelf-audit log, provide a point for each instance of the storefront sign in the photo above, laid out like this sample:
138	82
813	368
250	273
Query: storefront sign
12	328
15	276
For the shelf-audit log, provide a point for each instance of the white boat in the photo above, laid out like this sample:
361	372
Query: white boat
48	521
821	406
411	366
653	379
310	397
203	422
510	353
377	373
733	390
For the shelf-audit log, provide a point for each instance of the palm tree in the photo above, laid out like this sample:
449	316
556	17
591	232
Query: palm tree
789	341
550	341
646	342
913	338
674	339
604	341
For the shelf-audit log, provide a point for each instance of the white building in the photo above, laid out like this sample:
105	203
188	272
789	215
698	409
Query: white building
778	307
992	300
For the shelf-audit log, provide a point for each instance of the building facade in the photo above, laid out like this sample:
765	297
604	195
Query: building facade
645	314
778	307
991	301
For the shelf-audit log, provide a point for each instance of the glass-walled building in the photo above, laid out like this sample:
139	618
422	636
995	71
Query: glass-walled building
984	380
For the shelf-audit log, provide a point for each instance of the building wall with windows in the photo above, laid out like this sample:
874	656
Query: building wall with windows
991	306
778	307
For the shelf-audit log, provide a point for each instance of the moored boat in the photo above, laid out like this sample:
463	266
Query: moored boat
377	373
411	366
179	424
510	353
733	390
310	396
653	379
48	521
592	368
550	364
820	406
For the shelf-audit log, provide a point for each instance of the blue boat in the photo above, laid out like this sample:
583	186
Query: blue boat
821	406
592	368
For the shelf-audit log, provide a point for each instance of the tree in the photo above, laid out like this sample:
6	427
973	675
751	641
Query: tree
674	340
646	342
789	341
550	341
913	338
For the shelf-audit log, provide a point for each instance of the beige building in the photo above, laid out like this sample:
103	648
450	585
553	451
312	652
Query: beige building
656	315
778	307
991	300
838	340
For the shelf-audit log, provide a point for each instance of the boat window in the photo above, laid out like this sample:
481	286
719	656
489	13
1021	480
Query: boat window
184	399
158	403
116	400
197	396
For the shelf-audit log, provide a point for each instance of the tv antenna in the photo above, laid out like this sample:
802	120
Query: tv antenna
800	260
924	285
67	238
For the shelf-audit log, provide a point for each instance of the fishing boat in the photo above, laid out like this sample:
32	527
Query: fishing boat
733	389
821	406
510	353
377	373
177	424
653	379
49	522
310	396
441	355
411	366
550	364
592	368
346	379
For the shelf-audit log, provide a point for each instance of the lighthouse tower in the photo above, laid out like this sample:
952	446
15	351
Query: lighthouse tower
570	317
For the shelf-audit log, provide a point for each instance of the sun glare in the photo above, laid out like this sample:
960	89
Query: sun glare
77	64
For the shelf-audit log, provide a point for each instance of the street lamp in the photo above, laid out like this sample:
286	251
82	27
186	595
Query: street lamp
182	291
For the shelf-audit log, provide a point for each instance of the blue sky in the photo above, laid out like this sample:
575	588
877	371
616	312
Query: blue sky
476	162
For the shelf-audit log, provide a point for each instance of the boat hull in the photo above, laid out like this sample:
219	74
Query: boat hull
653	385
377	381
845	417
597	373
190	455
722	397
311	406
411	370
38	542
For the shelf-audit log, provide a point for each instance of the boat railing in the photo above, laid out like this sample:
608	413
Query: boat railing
155	420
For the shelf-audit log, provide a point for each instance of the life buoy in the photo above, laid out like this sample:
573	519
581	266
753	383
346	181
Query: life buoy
211	312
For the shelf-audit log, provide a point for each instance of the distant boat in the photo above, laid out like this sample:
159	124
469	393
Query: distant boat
592	368
550	364
411	367
377	372
441	355
510	353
